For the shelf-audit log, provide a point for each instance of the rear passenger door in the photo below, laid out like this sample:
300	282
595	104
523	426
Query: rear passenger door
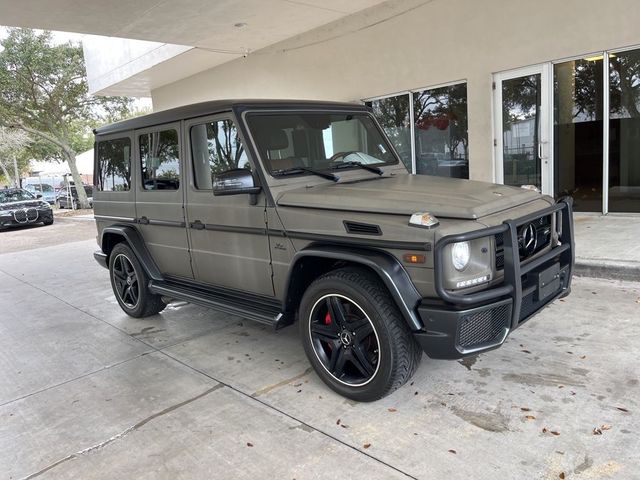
229	243
159	198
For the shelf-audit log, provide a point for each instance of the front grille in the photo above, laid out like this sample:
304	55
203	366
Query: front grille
25	215
484	327
543	239
20	216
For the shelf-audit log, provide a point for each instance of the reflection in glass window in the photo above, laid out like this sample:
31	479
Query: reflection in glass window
114	165
521	115
442	144
160	159
578	126
216	148
393	114
624	132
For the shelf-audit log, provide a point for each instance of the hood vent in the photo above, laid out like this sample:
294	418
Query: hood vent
358	228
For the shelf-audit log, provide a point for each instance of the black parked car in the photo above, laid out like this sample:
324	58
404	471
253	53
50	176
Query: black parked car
20	207
71	201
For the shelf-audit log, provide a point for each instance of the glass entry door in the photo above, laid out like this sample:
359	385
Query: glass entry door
522	128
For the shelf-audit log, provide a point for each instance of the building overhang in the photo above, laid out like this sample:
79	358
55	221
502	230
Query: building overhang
155	43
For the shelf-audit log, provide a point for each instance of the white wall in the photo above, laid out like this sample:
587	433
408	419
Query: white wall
432	42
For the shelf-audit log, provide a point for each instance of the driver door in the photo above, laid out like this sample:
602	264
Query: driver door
228	234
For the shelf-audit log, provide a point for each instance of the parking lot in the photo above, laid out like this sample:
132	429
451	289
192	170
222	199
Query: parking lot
87	392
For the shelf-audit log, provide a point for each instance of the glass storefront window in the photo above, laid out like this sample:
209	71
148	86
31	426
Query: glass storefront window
393	114
441	141
624	131
578	131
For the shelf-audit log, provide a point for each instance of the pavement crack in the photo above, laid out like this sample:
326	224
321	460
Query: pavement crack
124	433
269	388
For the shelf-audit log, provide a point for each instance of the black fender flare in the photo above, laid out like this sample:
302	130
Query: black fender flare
135	241
388	268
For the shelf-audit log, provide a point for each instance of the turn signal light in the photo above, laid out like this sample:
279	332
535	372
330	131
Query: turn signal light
413	258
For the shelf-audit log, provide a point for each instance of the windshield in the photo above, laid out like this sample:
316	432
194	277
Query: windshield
15	195
318	141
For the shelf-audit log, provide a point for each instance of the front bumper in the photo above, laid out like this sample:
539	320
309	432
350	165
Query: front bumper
25	216
466	324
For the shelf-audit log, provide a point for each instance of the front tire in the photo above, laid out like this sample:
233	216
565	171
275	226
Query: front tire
130	284
355	337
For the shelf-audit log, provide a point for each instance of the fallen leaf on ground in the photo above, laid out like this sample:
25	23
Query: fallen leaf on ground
525	409
561	475
338	422
526	351
597	431
249	444
453	451
553	432
605	427
530	417
366	445
392	409
622	409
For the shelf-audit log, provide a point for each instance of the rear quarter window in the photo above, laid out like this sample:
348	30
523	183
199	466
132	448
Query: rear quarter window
114	165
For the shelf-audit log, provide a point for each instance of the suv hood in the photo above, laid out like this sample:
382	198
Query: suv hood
407	194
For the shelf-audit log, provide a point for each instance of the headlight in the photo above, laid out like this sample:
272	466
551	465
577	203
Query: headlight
424	220
460	255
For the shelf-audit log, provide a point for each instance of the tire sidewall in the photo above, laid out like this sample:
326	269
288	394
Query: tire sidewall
379	384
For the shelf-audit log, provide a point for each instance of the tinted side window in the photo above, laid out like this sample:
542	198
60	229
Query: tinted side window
114	165
160	160
215	148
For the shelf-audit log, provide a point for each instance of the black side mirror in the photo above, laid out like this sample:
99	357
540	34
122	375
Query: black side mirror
235	182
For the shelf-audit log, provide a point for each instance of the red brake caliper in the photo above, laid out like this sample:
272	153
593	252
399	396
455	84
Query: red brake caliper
327	321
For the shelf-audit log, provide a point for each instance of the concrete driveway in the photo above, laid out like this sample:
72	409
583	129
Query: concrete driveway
86	392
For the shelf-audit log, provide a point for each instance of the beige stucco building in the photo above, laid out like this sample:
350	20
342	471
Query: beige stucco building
499	90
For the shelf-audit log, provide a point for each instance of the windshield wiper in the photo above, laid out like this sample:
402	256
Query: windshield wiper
296	170
369	168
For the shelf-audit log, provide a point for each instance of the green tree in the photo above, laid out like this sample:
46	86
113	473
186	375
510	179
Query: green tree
13	158
43	91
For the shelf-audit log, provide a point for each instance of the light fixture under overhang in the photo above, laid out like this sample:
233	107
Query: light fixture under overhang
597	58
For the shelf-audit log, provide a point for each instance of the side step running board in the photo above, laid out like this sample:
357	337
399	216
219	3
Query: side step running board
253	308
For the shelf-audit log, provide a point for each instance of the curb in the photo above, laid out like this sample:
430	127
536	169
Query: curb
611	269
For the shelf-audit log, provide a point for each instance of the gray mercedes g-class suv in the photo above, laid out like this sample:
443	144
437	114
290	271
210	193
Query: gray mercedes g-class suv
285	211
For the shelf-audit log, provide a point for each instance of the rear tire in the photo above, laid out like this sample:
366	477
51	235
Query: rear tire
355	337
130	284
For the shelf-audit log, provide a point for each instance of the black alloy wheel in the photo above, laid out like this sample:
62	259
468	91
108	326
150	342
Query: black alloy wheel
126	281
344	340
130	284
354	336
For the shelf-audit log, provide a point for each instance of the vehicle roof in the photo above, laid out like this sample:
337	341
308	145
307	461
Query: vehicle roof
218	106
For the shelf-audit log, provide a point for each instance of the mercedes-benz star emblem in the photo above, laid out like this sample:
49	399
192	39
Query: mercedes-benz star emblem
528	239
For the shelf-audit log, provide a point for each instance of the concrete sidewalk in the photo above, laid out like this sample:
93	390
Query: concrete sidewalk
607	246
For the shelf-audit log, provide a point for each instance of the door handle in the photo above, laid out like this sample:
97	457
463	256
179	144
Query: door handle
197	225
143	221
